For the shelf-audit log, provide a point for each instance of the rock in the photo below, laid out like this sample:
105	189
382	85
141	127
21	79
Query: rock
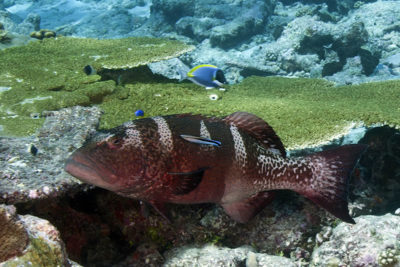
376	190
27	176
30	23
116	22
173	10
210	255
146	254
29	240
369	61
226	23
334	6
13	236
240	29
86	18
349	42
331	68
172	68
393	61
9	21
197	29
372	241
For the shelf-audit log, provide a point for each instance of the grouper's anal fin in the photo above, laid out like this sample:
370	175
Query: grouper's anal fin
258	129
245	210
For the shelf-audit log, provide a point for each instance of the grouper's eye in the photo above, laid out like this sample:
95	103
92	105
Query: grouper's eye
114	143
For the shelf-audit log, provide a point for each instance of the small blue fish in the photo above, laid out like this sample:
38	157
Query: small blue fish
89	70
208	76
139	113
200	140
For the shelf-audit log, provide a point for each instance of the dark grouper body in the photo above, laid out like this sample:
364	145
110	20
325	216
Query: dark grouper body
232	161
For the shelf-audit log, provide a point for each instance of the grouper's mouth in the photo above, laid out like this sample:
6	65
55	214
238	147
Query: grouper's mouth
86	170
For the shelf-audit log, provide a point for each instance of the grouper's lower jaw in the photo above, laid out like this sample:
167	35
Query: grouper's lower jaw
79	167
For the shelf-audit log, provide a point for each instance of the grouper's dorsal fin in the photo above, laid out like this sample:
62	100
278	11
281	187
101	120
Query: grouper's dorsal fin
259	129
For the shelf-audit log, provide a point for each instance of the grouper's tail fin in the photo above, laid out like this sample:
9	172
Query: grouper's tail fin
328	186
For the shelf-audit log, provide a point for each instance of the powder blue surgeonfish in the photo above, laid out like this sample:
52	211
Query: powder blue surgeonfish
208	76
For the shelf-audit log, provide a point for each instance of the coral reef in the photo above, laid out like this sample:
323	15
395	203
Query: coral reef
99	227
372	241
343	41
216	256
42	156
48	75
28	239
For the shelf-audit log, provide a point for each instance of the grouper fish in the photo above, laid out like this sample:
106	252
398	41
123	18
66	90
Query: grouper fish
236	161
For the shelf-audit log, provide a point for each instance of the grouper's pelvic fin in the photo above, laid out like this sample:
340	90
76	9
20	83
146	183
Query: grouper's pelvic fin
244	210
328	186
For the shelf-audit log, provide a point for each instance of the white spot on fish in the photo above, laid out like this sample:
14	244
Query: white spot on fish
132	137
240	149
206	134
204	131
263	161
165	133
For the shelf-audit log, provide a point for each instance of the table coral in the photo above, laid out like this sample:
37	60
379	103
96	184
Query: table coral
304	112
48	74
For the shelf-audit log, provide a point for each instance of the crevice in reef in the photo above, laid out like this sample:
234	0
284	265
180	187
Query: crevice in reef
141	74
90	238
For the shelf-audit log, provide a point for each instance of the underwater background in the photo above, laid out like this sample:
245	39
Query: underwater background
321	73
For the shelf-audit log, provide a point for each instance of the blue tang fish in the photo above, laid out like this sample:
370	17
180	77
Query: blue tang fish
208	76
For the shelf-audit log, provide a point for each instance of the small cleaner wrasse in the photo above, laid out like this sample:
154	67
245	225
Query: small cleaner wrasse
234	161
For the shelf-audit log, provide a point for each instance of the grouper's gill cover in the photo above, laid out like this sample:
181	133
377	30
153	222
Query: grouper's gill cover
235	161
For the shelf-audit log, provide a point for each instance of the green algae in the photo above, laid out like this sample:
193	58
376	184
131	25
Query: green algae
48	74
304	112
39	253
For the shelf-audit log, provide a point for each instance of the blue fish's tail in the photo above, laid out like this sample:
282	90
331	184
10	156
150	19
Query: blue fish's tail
328	186
183	71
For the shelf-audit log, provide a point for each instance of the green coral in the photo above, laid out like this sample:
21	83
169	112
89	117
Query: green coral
48	74
388	258
302	111
4	37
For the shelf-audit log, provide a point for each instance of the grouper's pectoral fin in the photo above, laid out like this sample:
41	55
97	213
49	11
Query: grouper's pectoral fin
184	182
245	210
